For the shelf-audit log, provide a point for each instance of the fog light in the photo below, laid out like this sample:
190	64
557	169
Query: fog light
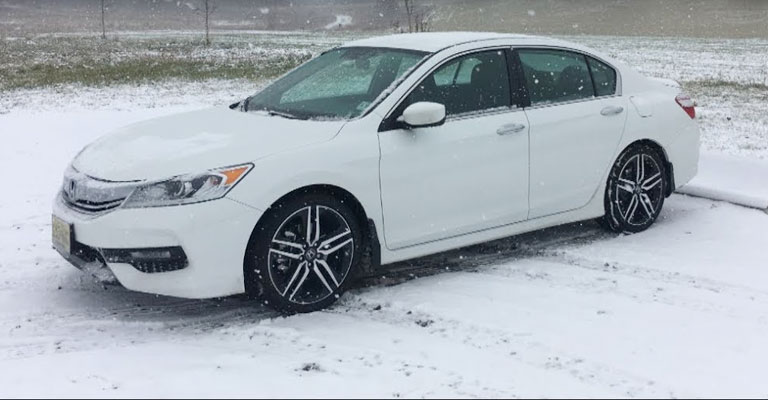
151	254
149	260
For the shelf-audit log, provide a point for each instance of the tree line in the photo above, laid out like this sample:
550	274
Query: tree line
418	14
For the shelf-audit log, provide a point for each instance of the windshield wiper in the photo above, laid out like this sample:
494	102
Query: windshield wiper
282	114
274	113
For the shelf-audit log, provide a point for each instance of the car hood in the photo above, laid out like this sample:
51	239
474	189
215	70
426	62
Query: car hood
196	141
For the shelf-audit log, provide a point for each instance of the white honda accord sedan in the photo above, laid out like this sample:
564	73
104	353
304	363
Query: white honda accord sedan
378	151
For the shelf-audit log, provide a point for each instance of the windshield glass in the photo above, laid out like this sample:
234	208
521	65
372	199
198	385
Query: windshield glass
340	83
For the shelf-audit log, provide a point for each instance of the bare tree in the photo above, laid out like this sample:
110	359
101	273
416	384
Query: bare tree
209	8
418	16
103	26
206	9
409	13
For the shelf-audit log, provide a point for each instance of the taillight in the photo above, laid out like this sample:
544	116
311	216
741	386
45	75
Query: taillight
688	105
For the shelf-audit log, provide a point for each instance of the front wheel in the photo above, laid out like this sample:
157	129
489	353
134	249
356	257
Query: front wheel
305	253
636	189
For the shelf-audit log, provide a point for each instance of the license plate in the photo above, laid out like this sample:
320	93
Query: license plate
62	235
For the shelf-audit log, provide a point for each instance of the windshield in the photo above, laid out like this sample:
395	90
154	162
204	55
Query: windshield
340	83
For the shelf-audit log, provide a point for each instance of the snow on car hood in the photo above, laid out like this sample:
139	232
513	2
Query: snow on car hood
196	141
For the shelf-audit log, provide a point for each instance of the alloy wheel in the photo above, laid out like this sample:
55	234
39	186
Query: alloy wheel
310	255
639	190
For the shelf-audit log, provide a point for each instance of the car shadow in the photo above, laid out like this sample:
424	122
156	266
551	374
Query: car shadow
489	253
101	301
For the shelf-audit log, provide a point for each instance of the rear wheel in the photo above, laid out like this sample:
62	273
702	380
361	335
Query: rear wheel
636	189
305	253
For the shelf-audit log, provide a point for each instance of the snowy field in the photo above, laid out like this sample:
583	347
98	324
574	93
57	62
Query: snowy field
678	311
727	77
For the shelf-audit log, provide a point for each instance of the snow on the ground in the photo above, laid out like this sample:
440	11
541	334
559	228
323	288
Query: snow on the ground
340	21
726	77
679	310
688	59
69	99
733	179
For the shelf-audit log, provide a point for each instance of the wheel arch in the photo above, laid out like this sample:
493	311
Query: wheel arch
668	167
372	244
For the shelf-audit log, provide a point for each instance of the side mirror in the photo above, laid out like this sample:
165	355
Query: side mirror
423	115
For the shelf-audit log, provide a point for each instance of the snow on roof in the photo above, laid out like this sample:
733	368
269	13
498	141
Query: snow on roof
429	41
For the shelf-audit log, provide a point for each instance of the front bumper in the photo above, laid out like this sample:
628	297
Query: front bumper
90	261
190	251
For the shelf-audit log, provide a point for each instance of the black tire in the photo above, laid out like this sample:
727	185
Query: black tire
632	207
314	280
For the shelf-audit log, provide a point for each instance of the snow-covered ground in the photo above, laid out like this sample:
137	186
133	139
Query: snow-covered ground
678	311
738	180
727	77
340	22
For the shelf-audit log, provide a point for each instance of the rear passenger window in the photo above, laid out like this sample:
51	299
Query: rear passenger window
604	76
554	76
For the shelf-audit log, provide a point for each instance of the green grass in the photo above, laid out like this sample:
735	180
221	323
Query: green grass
724	84
42	61
142	70
48	61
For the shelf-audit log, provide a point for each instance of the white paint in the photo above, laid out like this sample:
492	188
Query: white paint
572	148
424	113
556	313
453	179
441	188
196	141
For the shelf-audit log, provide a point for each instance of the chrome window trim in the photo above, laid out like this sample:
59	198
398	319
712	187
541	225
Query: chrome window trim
482	113
617	93
565	103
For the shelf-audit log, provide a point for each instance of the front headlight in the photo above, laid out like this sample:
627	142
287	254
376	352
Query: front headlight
188	189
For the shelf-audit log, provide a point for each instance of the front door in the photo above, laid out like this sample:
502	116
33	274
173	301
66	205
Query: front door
466	175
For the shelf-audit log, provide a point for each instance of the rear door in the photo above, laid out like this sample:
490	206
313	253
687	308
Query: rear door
576	118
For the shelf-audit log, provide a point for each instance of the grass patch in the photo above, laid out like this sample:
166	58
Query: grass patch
724	84
143	70
46	61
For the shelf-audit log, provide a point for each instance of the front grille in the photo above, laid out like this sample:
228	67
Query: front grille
91	195
92	206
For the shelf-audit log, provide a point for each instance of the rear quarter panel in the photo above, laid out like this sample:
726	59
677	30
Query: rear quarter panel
653	114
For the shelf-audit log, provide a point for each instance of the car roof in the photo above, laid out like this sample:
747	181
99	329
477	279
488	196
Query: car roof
430	41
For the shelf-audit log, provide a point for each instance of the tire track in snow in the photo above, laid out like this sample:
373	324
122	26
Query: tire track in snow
659	275
123	325
493	341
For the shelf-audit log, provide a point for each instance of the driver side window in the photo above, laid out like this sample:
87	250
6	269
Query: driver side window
471	83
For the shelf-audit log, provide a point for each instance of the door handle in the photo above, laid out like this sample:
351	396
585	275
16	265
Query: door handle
611	110
510	128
